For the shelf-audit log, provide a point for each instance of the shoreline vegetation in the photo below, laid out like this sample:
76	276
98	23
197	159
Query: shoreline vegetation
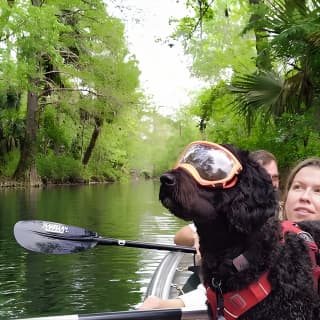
43	183
9	183
73	111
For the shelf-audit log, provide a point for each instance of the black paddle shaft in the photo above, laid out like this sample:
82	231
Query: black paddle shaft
56	238
160	314
147	245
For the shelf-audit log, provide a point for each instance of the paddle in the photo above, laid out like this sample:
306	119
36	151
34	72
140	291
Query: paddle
163	314
56	238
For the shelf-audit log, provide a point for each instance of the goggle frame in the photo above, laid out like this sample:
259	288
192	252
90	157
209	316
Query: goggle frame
227	182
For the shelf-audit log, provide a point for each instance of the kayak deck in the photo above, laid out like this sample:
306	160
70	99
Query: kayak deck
173	276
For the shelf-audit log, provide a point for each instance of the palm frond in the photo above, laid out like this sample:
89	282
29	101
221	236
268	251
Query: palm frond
254	92
267	94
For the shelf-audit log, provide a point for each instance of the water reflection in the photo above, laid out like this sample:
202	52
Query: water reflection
104	278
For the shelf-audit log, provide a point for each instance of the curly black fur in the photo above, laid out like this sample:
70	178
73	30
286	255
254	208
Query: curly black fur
242	220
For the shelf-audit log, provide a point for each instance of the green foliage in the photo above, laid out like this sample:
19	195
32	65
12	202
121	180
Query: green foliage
73	55
34	29
86	79
205	105
273	65
257	94
296	138
57	130
10	161
59	168
9	98
157	142
215	43
293	88
183	131
288	136
222	124
148	145
12	125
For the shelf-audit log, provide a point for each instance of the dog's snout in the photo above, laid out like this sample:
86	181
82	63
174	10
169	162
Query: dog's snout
168	179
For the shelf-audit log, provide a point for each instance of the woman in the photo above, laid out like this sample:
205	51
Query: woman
301	202
302	192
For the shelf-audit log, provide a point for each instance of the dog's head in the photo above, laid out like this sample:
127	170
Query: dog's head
245	202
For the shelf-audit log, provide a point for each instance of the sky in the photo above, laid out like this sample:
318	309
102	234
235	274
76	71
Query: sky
165	76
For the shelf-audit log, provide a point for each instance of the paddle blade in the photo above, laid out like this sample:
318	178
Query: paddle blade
52	237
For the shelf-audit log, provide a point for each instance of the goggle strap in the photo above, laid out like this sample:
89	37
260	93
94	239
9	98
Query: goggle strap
231	183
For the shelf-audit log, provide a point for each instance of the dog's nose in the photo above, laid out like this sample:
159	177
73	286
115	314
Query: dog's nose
168	179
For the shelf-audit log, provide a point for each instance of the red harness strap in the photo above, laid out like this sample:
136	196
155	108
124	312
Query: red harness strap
289	226
236	303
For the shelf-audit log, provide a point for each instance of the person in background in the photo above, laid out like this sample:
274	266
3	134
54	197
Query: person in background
269	162
187	235
301	202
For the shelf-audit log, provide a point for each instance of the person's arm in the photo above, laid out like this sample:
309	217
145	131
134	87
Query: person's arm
154	302
188	236
185	236
194	298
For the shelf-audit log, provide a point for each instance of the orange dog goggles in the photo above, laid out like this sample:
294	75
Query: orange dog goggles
210	164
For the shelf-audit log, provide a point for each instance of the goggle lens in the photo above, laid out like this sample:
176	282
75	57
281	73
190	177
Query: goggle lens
211	164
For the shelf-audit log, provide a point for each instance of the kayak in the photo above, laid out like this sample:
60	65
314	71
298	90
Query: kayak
174	276
177	275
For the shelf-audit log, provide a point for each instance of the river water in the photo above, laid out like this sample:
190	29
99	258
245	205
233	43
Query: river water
104	278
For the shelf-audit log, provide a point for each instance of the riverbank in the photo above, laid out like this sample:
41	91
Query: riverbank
11	184
44	183
7	183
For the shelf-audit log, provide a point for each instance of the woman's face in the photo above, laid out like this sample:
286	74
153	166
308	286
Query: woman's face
303	200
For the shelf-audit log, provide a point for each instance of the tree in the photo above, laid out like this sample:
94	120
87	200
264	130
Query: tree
60	53
10	126
212	37
293	32
270	67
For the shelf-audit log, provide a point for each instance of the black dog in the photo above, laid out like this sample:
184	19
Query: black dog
242	240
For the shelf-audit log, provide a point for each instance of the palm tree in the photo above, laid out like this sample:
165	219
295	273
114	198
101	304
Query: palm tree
293	30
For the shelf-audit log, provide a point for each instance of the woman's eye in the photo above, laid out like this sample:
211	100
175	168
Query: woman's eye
296	187
317	190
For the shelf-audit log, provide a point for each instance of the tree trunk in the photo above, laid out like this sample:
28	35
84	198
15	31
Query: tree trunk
263	61
26	171
3	149
93	140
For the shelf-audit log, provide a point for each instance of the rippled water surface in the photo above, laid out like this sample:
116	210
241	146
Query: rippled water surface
104	278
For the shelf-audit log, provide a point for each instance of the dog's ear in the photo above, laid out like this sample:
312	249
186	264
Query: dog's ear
254	197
